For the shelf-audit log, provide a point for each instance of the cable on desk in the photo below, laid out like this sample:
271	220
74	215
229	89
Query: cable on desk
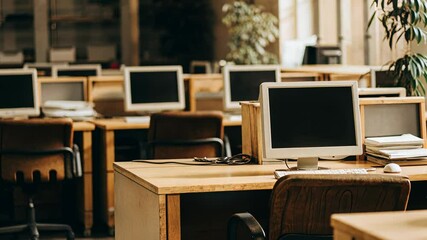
238	159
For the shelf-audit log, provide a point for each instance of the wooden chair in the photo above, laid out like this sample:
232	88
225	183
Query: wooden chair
301	205
186	135
32	152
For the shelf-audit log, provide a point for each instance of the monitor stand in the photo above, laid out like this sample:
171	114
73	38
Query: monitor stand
308	163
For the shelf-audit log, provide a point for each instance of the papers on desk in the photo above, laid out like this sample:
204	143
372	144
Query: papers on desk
77	110
402	140
405	148
400	153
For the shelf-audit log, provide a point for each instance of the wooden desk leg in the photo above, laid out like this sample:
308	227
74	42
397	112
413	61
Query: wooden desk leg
87	182
107	178
192	95
173	217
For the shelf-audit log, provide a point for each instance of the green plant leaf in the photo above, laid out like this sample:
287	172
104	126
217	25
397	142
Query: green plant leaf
371	19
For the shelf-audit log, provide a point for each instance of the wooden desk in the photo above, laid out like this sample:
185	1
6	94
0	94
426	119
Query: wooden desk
380	225
83	138
334	72
107	128
149	197
328	69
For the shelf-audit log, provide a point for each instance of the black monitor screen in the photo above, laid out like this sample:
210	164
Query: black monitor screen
384	79
69	91
380	95
153	87
77	72
244	85
311	117
322	55
16	91
200	69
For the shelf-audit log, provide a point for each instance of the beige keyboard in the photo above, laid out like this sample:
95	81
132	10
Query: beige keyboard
281	173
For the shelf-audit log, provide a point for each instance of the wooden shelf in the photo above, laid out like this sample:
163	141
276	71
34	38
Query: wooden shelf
82	19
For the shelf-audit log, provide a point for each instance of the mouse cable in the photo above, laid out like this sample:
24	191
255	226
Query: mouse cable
238	159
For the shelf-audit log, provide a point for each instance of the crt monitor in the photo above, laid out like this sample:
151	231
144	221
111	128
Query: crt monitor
68	89
154	89
200	67
81	70
308	120
241	83
18	93
381	77
322	55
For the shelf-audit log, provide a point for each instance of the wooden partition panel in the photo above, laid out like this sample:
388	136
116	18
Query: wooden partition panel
393	116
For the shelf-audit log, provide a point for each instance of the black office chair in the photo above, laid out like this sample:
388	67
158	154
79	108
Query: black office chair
301	205
186	135
33	152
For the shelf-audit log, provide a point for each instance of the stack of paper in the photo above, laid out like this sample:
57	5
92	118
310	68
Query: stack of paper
78	110
405	147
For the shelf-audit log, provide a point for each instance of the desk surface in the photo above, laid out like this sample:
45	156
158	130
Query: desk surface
83	126
382	225
176	178
121	124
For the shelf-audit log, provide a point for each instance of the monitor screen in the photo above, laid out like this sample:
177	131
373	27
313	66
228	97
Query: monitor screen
68	90
382	78
310	120
152	89
18	93
241	82
77	70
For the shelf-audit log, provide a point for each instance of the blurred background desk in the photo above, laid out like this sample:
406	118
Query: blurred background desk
107	130
331	72
380	225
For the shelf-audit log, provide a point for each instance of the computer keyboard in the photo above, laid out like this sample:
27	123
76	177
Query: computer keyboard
281	173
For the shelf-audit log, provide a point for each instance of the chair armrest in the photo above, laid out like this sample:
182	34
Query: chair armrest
249	221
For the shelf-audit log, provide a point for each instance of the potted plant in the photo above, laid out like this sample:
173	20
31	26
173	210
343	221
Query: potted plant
251	30
405	19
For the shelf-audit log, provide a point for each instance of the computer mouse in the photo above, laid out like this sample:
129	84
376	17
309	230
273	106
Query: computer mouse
392	168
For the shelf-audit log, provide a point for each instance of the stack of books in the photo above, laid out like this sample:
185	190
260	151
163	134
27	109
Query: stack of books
405	149
76	110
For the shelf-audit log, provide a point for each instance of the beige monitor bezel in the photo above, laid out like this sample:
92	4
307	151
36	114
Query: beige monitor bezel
302	152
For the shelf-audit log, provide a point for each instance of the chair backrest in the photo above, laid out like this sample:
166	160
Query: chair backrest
303	204
35	149
185	134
